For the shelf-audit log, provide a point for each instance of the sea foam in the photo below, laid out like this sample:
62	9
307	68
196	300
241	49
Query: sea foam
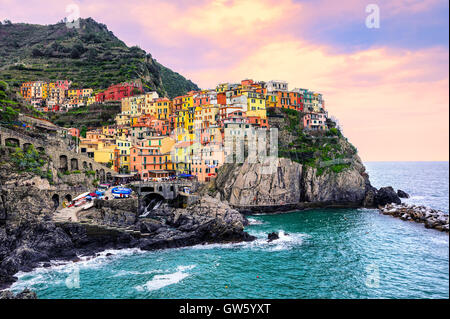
161	281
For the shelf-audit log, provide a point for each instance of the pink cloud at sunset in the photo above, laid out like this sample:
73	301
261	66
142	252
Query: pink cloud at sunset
390	93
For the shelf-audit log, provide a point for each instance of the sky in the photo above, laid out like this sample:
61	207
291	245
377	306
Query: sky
388	86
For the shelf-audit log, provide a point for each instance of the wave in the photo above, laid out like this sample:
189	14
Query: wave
253	221
122	273
161	281
286	241
42	275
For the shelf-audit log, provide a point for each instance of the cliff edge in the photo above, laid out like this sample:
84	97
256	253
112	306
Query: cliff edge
313	169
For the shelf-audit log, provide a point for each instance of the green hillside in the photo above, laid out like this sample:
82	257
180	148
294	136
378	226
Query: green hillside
91	56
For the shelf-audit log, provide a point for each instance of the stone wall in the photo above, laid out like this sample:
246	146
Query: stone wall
63	159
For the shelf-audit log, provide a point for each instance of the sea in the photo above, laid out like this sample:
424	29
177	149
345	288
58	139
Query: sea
321	253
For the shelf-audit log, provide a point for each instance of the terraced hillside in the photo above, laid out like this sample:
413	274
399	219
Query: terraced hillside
90	56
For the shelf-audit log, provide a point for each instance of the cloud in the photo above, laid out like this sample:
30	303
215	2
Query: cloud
392	104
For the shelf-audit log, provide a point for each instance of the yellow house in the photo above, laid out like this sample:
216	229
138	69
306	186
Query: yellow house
90	100
182	156
133	105
150	107
123	147
163	108
271	100
256	104
184	125
222	87
104	154
188	102
134	120
122	119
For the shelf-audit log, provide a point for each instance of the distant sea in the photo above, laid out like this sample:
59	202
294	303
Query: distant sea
339	253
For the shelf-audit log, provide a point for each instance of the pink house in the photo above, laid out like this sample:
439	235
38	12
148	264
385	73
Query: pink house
74	132
207	161
315	121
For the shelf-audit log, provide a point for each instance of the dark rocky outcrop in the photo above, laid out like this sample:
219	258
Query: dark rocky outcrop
207	220
272	236
386	195
431	218
29	243
402	194
25	294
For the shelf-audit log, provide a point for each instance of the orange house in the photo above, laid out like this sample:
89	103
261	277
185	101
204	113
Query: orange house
257	121
150	162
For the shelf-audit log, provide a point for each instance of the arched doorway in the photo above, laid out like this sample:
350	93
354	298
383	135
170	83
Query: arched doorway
12	142
63	166
74	164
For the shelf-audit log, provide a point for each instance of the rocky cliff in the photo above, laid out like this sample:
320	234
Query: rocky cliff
313	169
293	185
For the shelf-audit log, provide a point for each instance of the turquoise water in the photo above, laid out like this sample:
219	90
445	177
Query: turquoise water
320	254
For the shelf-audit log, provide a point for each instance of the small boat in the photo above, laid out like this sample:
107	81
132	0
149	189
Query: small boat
121	192
81	196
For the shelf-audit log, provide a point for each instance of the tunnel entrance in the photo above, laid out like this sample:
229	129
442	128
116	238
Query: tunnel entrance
55	199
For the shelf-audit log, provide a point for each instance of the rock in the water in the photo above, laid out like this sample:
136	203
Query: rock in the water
25	294
386	195
272	236
402	194
431	218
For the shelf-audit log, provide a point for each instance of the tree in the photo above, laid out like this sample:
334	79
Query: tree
83	131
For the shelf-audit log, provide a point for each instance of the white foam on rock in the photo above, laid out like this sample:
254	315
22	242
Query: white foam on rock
43	275
286	241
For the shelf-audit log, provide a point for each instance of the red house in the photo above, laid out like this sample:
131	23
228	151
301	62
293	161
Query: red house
117	92
221	98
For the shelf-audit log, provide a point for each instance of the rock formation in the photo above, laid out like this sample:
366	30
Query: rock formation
296	186
402	194
25	294
430	217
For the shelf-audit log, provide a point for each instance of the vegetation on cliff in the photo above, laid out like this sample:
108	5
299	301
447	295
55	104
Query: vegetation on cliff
94	115
90	56
11	105
30	160
324	150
